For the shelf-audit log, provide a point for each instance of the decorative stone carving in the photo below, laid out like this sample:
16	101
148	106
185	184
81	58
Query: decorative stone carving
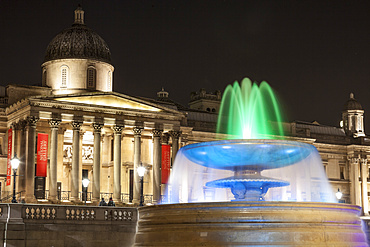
137	131
175	134
40	213
87	153
67	151
76	125
117	129
54	123
32	121
97	127
157	133
22	124
118	215
80	214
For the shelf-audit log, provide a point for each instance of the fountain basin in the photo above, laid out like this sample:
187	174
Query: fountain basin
240	223
257	154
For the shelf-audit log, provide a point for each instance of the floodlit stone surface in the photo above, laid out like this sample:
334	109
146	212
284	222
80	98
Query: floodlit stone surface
250	224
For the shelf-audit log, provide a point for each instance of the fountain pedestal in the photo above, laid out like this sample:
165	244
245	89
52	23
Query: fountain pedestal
250	224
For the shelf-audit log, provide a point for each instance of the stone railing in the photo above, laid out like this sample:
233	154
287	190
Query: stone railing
37	224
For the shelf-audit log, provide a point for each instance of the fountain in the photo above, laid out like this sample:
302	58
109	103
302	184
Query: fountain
248	191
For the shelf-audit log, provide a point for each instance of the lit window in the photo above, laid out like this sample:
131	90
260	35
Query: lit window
91	77
64	76
109	86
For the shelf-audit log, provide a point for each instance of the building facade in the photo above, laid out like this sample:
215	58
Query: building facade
105	136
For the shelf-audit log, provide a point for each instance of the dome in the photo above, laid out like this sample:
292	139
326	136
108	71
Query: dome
352	104
78	41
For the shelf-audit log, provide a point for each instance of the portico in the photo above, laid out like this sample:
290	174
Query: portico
86	138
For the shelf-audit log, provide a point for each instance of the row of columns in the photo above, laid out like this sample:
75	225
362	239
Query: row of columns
359	193
26	133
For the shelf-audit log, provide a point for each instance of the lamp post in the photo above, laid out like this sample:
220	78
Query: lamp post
85	184
15	164
339	194
141	172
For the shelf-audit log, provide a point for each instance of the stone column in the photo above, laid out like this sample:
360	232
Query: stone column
117	163
30	159
76	125
365	200
137	161
355	184
16	139
175	135
54	126
21	155
97	161
157	159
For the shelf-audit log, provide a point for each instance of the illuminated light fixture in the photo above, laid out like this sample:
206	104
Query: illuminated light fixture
15	164
85	184
339	194
141	172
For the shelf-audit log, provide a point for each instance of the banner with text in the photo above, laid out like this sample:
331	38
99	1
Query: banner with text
42	155
166	163
9	163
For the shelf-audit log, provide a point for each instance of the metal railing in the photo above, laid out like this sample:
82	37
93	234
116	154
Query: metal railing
148	199
106	196
83	196
9	196
125	198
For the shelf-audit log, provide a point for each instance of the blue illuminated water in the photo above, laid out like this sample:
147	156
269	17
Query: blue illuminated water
248	170
240	154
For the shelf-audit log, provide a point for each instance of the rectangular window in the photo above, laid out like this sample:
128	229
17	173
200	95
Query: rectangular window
91	77
64	77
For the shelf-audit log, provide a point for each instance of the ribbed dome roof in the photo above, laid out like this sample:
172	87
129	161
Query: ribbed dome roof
352	104
78	41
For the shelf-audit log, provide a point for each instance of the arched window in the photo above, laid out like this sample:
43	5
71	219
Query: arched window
91	77
65	72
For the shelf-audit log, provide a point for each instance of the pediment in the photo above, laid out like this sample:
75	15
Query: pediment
109	101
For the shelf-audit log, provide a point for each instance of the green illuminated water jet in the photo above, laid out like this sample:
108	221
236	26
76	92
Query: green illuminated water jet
250	111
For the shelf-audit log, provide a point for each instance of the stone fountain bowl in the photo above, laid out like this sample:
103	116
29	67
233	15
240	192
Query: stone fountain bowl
252	154
250	224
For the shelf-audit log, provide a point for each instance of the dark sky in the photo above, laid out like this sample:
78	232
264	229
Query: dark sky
313	53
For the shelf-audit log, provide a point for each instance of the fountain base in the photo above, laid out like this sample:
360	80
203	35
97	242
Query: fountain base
241	223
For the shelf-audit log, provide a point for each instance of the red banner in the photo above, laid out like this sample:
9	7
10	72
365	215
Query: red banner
166	163
9	164
42	155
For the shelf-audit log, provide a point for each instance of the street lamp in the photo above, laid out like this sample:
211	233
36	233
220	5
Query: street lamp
141	172
85	184
339	194
15	164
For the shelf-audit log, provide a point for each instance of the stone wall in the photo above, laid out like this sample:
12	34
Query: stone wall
57	226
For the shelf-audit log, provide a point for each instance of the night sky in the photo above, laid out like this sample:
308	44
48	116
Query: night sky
312	53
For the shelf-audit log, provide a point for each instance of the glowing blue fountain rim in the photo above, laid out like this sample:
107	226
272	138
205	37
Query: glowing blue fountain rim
251	154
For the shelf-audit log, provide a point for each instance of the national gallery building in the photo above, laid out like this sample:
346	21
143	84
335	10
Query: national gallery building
74	127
